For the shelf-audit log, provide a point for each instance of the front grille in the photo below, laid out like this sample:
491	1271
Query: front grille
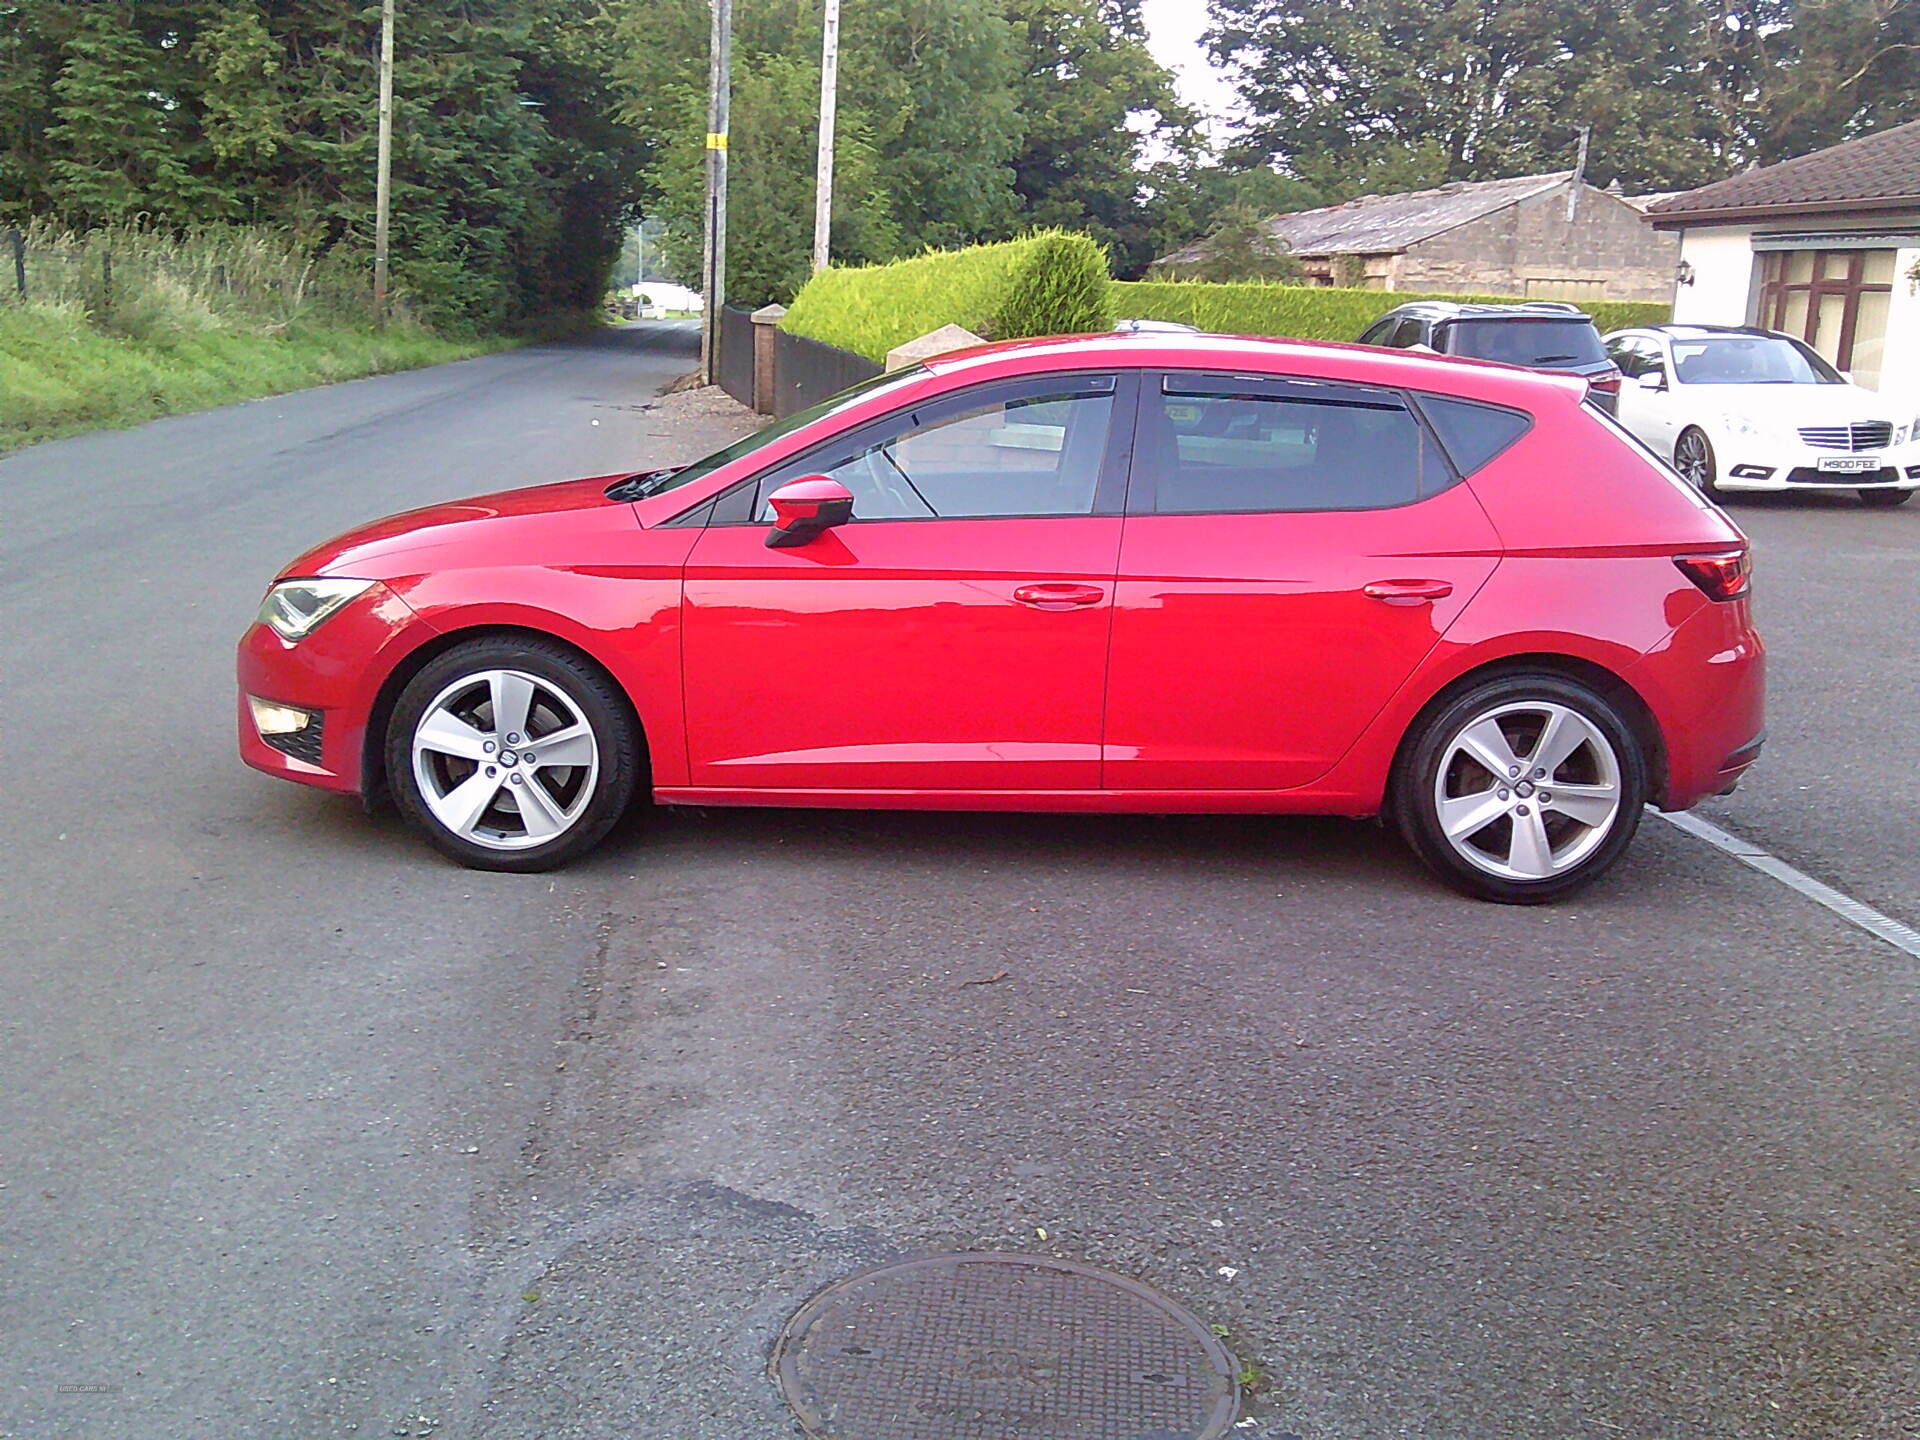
301	744
1807	475
1861	435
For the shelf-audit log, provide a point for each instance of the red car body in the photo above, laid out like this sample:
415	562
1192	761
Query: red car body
1104	662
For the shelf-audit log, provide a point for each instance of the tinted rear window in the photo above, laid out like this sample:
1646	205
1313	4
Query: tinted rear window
1219	446
1473	434
1543	344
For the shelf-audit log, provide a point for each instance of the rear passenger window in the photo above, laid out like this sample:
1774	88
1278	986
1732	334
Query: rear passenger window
1473	434
1219	444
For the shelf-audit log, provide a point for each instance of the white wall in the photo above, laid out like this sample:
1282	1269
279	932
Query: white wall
1900	366
1722	261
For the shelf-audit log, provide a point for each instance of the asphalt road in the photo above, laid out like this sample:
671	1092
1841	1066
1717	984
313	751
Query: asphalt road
304	1132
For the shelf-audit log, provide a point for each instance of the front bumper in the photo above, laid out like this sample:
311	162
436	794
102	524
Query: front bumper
1756	464
335	673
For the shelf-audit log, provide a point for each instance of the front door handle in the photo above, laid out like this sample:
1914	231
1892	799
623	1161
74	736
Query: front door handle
1058	595
1410	590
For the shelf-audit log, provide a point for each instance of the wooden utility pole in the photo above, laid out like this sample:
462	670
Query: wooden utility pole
714	270
383	178
823	169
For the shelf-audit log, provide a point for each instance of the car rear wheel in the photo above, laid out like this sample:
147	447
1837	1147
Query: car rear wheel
512	754
1693	458
1522	789
1885	499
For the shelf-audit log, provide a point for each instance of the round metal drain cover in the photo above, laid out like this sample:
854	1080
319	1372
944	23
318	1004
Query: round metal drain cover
1002	1347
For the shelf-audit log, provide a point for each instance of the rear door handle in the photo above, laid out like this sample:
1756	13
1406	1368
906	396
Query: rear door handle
1058	595
1410	589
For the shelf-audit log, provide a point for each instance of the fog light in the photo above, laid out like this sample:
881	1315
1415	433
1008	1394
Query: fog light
272	719
1751	472
1913	472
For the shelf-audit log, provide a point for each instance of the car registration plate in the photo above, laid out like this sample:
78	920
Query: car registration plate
1849	464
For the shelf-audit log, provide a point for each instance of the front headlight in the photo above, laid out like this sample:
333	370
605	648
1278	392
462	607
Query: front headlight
295	608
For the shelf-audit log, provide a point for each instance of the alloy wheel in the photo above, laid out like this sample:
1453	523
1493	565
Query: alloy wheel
1527	790
1693	458
505	759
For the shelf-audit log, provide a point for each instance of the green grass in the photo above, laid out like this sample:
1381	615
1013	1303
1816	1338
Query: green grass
1314	312
60	374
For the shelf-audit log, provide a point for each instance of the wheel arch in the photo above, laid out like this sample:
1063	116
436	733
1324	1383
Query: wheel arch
1597	677
373	754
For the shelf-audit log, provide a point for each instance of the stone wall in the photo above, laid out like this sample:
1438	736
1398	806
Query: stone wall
1608	245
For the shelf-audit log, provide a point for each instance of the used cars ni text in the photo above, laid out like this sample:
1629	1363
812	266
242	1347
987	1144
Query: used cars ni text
1745	409
1149	573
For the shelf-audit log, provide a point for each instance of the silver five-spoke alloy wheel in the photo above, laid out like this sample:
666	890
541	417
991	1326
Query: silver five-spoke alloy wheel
505	759
1527	790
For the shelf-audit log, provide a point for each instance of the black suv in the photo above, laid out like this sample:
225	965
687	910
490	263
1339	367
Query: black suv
1540	334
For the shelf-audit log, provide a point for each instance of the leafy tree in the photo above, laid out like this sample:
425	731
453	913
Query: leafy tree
1094	104
1239	247
114	155
1388	94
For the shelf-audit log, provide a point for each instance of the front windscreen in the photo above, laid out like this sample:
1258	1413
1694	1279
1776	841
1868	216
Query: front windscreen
1541	344
658	482
1749	360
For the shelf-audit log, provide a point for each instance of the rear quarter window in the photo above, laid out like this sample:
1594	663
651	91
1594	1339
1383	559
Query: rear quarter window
1471	433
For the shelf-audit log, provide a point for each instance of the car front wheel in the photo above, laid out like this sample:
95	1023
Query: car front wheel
511	754
1522	789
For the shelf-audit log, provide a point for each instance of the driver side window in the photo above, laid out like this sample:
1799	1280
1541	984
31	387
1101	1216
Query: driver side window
1024	453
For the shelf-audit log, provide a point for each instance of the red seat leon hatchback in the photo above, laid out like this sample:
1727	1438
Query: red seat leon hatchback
1155	573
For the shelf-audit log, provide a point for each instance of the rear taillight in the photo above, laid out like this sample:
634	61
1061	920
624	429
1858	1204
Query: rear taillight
1721	575
1609	382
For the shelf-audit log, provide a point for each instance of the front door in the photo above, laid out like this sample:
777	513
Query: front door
1294	549
952	636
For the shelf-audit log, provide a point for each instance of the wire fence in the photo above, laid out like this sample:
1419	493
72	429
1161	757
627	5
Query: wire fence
126	277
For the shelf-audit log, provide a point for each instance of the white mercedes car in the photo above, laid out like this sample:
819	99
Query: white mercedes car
1746	409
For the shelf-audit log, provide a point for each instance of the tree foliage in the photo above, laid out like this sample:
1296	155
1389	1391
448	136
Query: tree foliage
510	178
959	121
1369	95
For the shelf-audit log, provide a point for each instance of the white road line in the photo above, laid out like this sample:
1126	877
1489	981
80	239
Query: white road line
1903	937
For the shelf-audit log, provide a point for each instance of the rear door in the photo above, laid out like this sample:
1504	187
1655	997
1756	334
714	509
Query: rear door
1294	548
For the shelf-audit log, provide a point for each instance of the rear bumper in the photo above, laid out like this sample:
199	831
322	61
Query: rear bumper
1706	686
335	672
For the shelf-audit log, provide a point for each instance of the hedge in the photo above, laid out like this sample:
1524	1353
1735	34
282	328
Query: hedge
1048	283
1317	312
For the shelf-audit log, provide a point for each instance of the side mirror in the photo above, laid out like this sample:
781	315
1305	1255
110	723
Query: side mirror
1652	380
807	507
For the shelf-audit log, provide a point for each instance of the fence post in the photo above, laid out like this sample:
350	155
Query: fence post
106	279
765	321
19	260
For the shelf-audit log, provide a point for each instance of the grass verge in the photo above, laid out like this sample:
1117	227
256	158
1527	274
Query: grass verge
59	375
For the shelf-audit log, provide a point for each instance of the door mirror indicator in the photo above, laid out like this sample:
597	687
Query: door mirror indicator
807	507
1652	380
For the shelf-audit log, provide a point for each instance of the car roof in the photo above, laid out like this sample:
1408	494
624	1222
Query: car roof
1487	310
1322	359
1700	332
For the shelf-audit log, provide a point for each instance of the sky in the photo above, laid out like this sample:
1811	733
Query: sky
1174	28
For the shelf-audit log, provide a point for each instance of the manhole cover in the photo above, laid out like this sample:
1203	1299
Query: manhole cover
1002	1347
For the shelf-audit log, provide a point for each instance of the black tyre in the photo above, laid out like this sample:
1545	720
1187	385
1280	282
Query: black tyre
1885	499
1693	457
1521	788
512	754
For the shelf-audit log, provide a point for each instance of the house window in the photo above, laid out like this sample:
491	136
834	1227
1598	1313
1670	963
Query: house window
1542	289
1835	300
